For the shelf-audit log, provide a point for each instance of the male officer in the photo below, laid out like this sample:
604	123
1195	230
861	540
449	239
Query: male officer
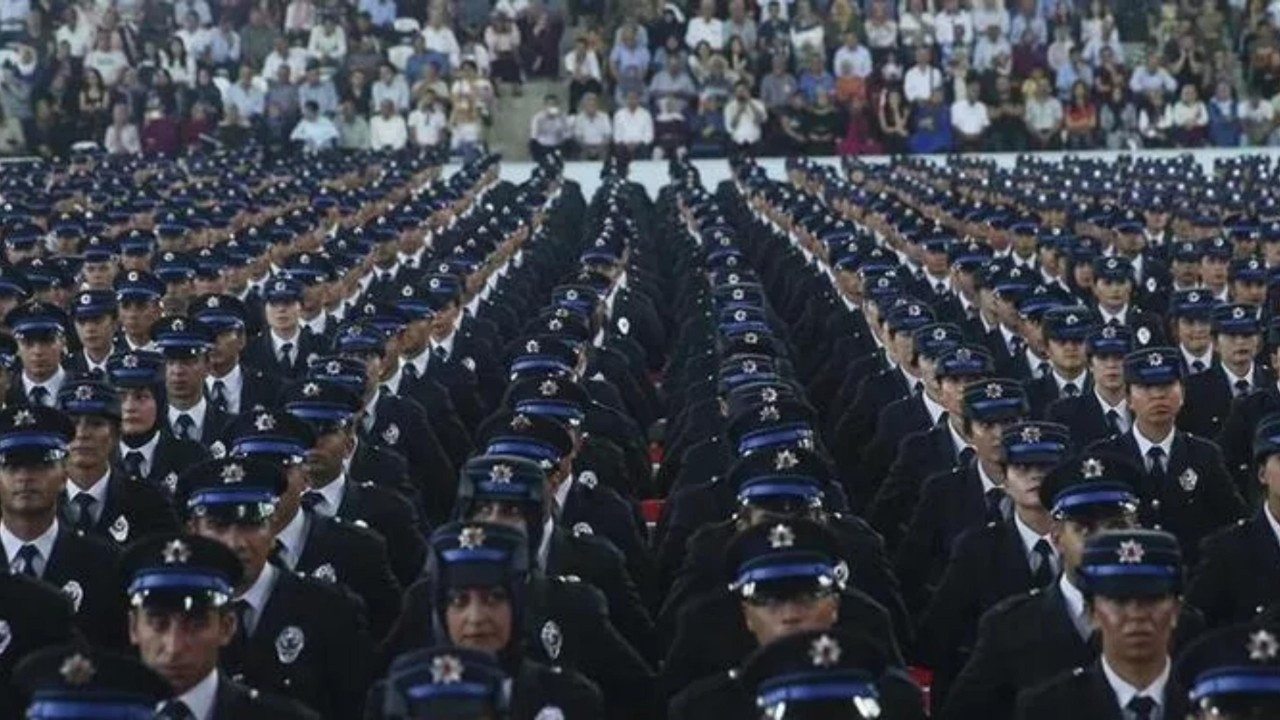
1237	337
1236	438
1132	582
148	451
1065	332
1192	314
40	329
1239	573
100	499
184	343
75	680
180	619
285	347
1029	638
1185	487
231	386
333	491
296	636
1233	673
1104	410
138	293
33	475
94	313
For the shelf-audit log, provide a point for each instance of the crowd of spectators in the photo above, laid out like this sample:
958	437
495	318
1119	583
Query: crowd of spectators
165	76
868	76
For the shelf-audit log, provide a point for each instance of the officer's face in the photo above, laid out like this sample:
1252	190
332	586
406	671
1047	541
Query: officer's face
1135	629
985	437
225	352
96	333
1249	293
1111	294
181	647
1213	271
91	446
903	347
137	316
1238	350
951	396
283	316
210	285
324	459
1156	404
184	378
1108	372
1069	534
1022	483
1195	334
479	618
771	618
442	323
1271	253
31	489
1187	274
1269	476
99	275
500	513
1067	356
250	541
137	411
41	355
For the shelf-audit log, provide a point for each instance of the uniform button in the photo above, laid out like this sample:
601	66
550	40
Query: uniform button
1156	526
1155	504
1258	610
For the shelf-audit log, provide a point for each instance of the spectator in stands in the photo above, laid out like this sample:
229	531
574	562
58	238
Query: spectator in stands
540	44
953	26
1226	129
474	87
1043	115
740	24
923	78
745	118
881	30
671	132
709	136
13	140
357	90
777	87
893	119
160	130
1080	119
1152	76
674	81
121	137
1073	71
705	27
224	47
916	25
431	82
283	54
815	78
774	29
969	119
852	53
591	130
1155	121
1107	41
387	128
180	65
353	128
1190	118
318	90
822	125
790	138
548	129
466	129
300	17
391	86
234	131
987	14
365	57
740	63
633	127
717	81
629	57
440	41
315	132
428	122
808	34
1028	18
94	105
989	45
197	127
502	39
105	59
194	35
931	126
859	133
582	65
1188	63
284	94
327	43
1257	117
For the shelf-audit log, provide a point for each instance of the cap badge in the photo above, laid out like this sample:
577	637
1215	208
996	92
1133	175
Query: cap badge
130	361
86	299
406	291
521	422
213	302
1188	480
310	390
1155	360
1031	434
781	536
549	388
175	552
232	473
84	392
751	338
1091	468
750	367
785	460
119	529
77	670
994	391
1130	552
740	316
769	395
1109	332
964	355
392	434
913	310
1071	319
1262	646
264	422
179	325
501	474
555	325
446	670
1237	313
1193	297
532	347
825	651
940	334
769	413
571	295
23	418
471	538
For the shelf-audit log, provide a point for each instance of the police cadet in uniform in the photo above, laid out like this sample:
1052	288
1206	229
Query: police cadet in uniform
478	573
138	293
1132	584
1103	410
76	680
33	615
40	329
231	386
296	636
1009	555
1236	438
148	451
285	347
180	619
1184	486
1237	338
1233	673
100	499
1238	577
94	314
788	577
326	549
1065	330
442	683
184	344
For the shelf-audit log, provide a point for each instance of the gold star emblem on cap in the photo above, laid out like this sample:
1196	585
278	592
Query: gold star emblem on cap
77	670
825	651
1262	646
446	670
175	552
1130	552
781	536
232	473
471	538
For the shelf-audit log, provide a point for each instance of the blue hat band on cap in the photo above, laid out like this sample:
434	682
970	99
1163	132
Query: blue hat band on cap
181	342
92	407
816	689
991	405
795	486
784	572
219	320
522	448
537	362
517	491
416	307
347	343
87	709
738	328
1108	346
1068	500
230	496
1128	569
30	440
737	379
1236	680
551	408
1161	375
37	325
136	293
771	437
457	689
472	555
318	411
267	446
166	579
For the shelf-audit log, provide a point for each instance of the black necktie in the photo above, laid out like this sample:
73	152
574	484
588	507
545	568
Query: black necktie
439	353
1142	707
39	395
84	503
242	609
1242	387
27	555
133	464
312	498
994	500
966	456
917	388
286	354
186	427
1156	469
1042	573
175	710
1070	390
411	371
1197	366
1113	422
1043	369
219	395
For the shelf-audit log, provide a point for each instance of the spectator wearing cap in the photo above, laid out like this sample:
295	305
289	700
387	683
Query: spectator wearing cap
1001	559
35	543
294	636
1033	637
40	330
1129	578
102	500
1186	487
1237	337
95	317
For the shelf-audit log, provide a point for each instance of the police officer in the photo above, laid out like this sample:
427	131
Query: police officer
1237	337
299	637
95	316
100	499
76	680
138	293
1065	331
231	386
1104	409
443	683
285	347
1232	673
148	451
1132	582
1113	291
33	476
33	616
180	618
184	344
1236	438
40	329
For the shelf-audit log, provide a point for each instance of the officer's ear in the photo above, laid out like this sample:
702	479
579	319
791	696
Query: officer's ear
227	624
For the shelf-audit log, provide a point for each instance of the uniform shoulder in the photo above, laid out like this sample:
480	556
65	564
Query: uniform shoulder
1227	534
318	596
20	591
571	594
1012	607
354	532
259	704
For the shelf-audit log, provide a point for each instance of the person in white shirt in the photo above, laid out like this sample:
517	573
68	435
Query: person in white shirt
548	128
1152	76
74	31
1258	117
705	27
592	130
854	53
1190	118
633	126
248	98
953	25
440	39
969	119
194	36
328	42
428	121
282	54
315	131
990	46
122	136
390	85
744	116
110	63
387	129
922	79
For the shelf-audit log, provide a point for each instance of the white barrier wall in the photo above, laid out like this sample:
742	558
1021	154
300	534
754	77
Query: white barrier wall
652	174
